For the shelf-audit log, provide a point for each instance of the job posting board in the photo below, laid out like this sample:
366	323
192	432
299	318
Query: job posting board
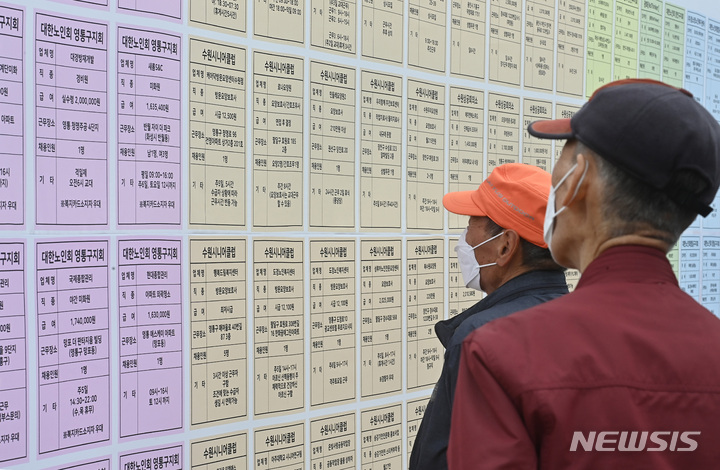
222	239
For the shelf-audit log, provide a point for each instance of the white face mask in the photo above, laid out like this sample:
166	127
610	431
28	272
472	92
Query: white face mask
550	213
469	266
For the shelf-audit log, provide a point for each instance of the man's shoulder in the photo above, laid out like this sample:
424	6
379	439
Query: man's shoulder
500	312
593	335
523	323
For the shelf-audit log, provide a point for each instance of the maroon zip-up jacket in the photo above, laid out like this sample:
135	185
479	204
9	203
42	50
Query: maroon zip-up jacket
622	373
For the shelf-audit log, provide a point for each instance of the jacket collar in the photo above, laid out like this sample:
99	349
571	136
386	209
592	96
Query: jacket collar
629	263
523	284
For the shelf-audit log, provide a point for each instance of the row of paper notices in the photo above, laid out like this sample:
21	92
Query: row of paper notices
71	129
73	292
73	355
73	302
659	30
74	359
613	33
333	27
332	443
72	135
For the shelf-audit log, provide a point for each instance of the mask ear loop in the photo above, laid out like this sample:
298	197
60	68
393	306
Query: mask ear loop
489	239
577	188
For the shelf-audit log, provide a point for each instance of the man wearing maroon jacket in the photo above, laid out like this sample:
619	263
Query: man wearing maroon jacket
624	372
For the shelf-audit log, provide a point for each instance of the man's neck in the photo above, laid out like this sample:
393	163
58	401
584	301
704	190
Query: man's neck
589	251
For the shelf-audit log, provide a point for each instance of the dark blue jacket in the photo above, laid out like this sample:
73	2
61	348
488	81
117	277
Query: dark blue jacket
519	293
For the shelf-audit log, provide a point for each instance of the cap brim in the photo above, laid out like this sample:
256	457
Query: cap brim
551	129
462	203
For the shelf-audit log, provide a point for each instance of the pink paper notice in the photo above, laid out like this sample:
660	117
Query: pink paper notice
103	464
71	121
167	458
168	8
13	348
149	127
151	325
12	118
73	343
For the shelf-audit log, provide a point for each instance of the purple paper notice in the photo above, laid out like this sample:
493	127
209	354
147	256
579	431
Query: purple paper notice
149	128
151	325
12	118
71	121
168	8
73	343
101	3
94	465
13	361
167	458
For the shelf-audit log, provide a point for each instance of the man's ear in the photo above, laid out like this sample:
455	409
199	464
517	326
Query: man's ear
573	193
508	246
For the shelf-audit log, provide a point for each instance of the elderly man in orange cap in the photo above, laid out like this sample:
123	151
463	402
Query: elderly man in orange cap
502	252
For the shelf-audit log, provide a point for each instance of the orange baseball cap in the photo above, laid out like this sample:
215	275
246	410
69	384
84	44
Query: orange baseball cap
514	196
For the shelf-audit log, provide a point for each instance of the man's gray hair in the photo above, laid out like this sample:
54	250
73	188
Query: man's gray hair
631	205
